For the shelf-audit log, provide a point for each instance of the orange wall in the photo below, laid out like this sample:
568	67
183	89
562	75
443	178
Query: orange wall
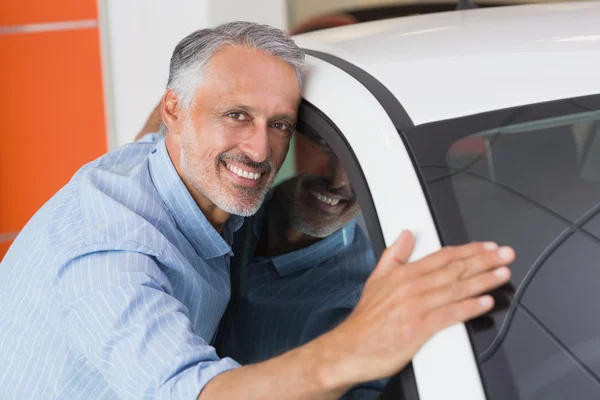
18	12
52	105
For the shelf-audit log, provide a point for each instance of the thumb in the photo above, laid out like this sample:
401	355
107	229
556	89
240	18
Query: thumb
397	254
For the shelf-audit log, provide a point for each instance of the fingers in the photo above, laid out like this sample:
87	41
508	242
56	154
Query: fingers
450	254
465	268
397	254
460	290
402	248
451	314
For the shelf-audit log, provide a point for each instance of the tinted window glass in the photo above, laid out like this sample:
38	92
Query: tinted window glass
528	178
301	263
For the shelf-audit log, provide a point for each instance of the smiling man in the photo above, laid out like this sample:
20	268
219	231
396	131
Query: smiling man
229	149
116	286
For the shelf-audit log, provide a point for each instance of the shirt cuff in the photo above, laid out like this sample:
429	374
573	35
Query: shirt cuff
190	383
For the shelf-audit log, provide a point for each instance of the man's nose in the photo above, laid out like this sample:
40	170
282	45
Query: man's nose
256	145
338	175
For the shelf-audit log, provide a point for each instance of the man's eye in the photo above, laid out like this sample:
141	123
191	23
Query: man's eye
237	116
282	127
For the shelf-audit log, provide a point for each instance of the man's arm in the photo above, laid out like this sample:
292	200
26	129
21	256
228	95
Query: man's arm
401	307
117	311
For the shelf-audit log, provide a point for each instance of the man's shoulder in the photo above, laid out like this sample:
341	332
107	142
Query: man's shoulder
113	200
118	199
109	204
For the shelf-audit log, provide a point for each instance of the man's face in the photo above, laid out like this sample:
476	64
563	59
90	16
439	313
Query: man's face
237	132
320	200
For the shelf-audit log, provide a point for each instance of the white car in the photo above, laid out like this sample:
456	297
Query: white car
480	125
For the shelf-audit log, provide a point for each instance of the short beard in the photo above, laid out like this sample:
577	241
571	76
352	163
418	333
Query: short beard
248	200
310	224
301	225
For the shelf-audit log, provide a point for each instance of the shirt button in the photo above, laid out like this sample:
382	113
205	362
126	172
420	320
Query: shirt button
153	151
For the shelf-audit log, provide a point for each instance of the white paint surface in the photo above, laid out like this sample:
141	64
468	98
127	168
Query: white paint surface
448	65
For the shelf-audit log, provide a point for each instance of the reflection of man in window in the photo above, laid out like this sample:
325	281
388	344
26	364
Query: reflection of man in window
309	266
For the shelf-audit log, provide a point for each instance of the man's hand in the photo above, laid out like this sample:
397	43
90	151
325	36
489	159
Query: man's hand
403	305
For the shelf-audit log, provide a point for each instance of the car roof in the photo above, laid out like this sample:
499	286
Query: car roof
452	64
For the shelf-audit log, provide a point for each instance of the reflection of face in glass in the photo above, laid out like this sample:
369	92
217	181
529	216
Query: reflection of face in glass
320	199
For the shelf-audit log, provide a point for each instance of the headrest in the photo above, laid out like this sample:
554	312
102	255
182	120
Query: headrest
538	163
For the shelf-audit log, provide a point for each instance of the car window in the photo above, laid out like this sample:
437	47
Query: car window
300	263
528	178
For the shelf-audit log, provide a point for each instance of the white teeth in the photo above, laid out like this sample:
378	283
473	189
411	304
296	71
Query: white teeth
242	173
325	199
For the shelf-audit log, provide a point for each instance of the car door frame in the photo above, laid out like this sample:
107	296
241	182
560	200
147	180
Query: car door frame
361	121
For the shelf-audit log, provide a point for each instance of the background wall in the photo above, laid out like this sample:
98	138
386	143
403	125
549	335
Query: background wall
52	103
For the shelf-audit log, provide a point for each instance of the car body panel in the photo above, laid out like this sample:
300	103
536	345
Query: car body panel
452	64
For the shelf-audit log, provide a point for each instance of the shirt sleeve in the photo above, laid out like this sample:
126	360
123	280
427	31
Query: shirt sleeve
366	391
117	311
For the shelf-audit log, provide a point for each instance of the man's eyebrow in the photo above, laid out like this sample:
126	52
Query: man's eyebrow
240	107
289	117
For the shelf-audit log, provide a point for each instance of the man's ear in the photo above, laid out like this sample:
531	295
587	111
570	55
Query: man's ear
171	112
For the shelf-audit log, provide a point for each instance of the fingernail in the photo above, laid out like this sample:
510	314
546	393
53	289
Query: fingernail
404	234
502	272
490	246
486	301
505	253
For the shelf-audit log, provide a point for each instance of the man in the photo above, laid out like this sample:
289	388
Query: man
115	287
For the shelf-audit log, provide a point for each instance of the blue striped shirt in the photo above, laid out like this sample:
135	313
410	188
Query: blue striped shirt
289	300
115	288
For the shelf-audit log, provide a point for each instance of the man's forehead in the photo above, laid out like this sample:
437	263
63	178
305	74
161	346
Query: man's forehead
258	82
239	66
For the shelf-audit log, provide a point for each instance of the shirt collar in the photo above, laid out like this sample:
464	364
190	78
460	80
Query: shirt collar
323	250
205	239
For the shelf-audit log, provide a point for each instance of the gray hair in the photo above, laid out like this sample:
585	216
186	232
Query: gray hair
193	53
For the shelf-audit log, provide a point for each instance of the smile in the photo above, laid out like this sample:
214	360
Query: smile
243	173
324	199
